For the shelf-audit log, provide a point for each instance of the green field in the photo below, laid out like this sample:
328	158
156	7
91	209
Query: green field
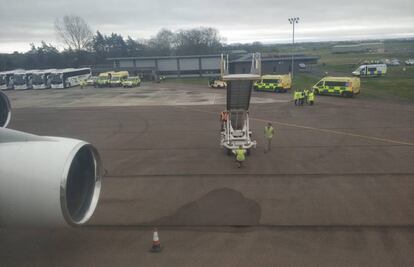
397	84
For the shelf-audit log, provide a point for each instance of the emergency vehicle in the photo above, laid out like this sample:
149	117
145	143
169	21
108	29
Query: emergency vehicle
274	83
341	86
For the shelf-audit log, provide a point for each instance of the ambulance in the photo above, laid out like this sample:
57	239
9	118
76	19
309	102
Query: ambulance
274	83
340	86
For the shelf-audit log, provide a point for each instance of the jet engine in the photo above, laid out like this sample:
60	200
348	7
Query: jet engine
45	181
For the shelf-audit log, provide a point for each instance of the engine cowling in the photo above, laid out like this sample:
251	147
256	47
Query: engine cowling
46	181
5	110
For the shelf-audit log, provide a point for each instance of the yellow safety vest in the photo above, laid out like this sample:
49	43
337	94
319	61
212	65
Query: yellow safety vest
311	96
269	132
240	154
296	95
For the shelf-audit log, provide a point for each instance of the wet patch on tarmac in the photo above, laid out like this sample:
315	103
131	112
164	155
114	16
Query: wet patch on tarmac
218	207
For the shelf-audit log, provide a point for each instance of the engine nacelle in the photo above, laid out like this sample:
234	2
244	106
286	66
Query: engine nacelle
5	110
46	181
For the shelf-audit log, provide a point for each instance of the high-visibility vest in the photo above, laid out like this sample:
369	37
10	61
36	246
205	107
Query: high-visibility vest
306	92
296	95
240	154
268	132
311	96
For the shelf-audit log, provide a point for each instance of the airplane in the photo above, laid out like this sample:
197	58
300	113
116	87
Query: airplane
45	181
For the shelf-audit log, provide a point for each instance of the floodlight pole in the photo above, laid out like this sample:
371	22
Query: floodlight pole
293	21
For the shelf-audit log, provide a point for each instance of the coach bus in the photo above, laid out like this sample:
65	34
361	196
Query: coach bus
22	80
66	78
42	79
4	79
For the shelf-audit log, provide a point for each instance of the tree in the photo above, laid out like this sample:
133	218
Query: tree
162	43
134	47
115	45
198	41
74	32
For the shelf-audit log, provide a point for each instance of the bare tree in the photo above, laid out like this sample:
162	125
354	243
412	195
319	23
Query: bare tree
74	31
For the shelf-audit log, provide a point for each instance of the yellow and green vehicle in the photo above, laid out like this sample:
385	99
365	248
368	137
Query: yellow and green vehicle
104	78
117	78
340	86
131	82
274	83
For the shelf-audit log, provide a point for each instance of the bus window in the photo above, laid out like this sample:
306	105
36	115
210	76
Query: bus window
2	79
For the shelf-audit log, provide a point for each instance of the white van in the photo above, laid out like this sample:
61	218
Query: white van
371	70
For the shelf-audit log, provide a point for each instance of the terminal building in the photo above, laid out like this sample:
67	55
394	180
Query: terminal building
205	65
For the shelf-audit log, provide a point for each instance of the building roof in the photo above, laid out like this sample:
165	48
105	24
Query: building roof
248	58
243	58
162	57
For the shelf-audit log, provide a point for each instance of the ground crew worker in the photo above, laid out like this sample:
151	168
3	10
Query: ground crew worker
296	97
311	98
240	156
301	98
82	83
223	118
306	94
268	132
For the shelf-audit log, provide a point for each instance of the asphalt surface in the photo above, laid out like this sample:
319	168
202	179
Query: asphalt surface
337	189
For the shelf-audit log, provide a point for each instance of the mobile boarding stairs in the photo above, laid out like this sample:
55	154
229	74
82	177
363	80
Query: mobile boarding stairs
236	131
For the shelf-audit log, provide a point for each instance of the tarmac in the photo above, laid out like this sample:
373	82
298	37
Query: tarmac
337	188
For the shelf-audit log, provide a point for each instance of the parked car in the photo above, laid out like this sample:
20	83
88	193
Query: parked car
394	62
409	62
92	81
131	82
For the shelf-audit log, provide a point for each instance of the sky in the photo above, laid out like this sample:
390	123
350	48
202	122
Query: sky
31	21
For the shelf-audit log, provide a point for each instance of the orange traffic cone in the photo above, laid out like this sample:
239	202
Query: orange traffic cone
156	244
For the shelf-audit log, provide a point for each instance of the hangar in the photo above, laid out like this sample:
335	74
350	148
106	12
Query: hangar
205	65
170	66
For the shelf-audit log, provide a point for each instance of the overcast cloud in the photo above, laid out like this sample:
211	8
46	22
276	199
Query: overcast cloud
30	21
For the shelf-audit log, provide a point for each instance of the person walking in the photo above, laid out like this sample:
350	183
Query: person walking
240	156
224	115
82	83
268	133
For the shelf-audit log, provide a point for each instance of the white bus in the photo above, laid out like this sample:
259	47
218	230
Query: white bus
4	79
69	77
42	79
7	79
22	80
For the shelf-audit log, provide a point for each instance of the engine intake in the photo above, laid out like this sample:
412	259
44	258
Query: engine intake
5	110
47	181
